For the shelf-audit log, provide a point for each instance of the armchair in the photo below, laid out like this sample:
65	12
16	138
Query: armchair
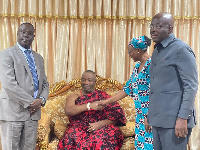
54	121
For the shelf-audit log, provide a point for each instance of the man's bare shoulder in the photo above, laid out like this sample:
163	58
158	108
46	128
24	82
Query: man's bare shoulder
74	95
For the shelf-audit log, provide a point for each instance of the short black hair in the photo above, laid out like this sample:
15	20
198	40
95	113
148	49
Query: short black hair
90	71
27	23
147	40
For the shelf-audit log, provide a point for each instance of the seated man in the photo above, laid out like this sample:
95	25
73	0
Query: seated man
90	128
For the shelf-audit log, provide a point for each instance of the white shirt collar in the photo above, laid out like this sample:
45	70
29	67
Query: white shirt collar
22	48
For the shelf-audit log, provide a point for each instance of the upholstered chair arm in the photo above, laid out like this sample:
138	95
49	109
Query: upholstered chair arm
43	133
128	130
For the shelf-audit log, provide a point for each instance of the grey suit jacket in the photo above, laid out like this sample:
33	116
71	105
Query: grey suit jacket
17	87
174	84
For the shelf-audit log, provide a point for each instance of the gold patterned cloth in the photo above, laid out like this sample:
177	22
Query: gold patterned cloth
54	122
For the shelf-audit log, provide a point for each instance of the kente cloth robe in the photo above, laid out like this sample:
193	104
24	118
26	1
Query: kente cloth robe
109	137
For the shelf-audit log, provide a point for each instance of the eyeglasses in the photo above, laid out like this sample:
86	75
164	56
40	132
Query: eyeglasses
157	26
130	51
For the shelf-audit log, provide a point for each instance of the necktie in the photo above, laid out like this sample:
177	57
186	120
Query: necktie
32	68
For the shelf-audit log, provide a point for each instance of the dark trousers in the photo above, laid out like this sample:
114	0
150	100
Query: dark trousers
165	139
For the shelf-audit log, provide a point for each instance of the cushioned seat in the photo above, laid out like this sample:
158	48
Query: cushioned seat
54	121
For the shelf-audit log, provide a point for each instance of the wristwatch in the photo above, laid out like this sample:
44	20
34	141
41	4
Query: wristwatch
43	101
88	106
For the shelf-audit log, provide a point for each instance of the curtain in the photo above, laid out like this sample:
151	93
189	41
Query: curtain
76	35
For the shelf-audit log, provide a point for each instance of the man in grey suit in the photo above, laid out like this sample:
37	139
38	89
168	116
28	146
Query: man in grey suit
174	84
24	88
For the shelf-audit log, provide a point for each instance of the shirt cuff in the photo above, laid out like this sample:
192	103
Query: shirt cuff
43	101
42	98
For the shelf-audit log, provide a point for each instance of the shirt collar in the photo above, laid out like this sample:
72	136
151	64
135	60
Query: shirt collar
167	40
22	48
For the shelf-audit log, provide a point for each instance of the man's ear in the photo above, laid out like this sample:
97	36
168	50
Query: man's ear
170	29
